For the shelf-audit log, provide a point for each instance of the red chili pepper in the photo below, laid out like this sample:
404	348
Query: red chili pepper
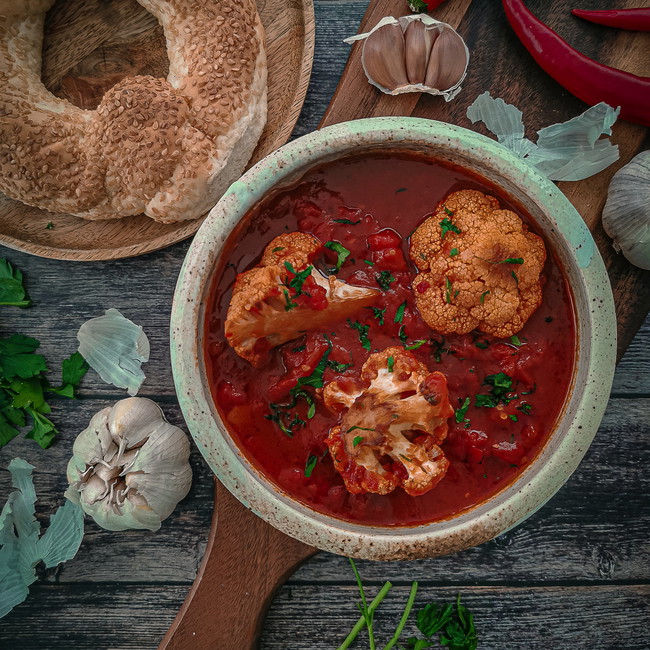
637	19
590	81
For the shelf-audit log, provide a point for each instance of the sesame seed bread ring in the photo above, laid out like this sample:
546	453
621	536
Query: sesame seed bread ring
168	148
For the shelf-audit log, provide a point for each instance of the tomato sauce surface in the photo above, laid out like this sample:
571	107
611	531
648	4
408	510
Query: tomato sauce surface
370	205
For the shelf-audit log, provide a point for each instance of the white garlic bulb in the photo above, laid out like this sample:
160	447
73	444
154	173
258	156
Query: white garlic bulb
414	54
130	467
626	215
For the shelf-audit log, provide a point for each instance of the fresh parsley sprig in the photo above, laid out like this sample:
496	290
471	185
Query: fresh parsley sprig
12	291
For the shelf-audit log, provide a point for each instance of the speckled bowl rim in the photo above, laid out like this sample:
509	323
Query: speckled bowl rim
596	325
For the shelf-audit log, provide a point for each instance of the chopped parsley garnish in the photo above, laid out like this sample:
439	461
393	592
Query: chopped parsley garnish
390	363
378	313
356	428
399	314
299	277
531	391
299	348
338	367
453	252
513	417
281	412
12	291
369	262
448	286
501	385
49	225
290	304
363	333
525	408
515	340
309	466
512	260
485	293
482	345
446	226
400	189
357	440
347	222
341	251
514	275
439	349
459	413
384	280
447	211
277	249
415	345
402	334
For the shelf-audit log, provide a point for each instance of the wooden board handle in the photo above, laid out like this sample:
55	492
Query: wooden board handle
245	562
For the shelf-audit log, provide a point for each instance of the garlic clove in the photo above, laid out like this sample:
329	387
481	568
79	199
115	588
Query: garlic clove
418	41
383	57
626	214
133	419
447	61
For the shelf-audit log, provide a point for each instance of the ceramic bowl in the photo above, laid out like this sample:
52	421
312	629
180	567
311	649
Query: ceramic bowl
563	229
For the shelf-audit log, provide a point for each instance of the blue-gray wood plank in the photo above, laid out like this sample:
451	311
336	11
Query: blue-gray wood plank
575	575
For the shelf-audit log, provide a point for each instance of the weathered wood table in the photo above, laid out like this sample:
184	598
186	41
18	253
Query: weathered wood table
575	575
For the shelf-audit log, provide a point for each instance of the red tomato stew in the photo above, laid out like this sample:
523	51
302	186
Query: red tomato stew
506	394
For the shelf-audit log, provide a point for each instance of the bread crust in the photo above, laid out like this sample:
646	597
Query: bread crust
168	148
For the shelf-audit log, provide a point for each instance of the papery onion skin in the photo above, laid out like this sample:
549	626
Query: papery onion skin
626	215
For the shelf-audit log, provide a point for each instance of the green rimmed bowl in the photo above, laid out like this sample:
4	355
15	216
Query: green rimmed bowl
563	229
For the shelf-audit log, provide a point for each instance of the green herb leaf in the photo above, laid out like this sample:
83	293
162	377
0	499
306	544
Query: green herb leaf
357	440
277	249
289	304
384	280
453	252
514	275
336	366
49	225
448	286
309	466
485	293
482	345
299	348
378	313
415	345
354	428
501	385
447	226
525	408
402	334
460	412
341	251
513	417
299	278
12	291
390	363
399	314
363	333
347	222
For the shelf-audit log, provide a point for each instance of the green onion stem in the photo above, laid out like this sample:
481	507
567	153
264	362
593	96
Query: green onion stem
362	621
405	615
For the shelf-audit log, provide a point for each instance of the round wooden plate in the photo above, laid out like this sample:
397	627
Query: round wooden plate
116	38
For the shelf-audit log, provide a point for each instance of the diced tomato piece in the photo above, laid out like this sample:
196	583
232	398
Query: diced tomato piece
229	396
510	452
391	259
475	455
422	287
383	239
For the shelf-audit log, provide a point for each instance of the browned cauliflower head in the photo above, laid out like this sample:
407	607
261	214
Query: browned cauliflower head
284	296
393	420
479	267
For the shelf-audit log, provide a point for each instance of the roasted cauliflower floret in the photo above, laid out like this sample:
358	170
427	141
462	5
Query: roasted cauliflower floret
479	267
393	420
284	296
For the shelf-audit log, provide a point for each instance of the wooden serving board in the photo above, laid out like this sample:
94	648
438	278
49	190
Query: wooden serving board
116	38
246	560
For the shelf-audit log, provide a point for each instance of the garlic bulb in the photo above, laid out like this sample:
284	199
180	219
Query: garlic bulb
626	215
130	467
414	54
